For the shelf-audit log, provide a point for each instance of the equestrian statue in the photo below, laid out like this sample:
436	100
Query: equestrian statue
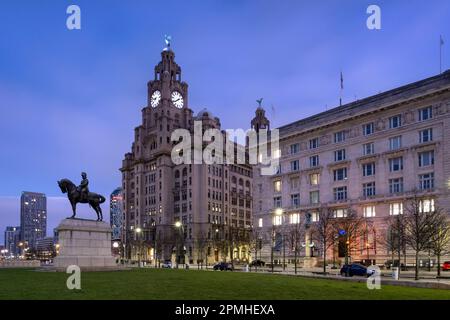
81	194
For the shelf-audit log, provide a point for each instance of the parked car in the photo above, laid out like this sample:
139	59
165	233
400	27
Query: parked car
446	266
355	269
167	264
257	263
223	266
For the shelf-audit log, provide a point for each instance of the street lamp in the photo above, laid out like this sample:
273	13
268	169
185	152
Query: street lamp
179	226
138	231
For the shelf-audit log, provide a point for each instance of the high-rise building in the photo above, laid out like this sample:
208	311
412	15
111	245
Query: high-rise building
184	212
33	217
12	238
371	155
116	214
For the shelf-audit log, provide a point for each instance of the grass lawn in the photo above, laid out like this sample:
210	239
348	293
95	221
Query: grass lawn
183	284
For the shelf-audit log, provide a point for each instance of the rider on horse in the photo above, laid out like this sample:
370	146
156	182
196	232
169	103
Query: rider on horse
83	187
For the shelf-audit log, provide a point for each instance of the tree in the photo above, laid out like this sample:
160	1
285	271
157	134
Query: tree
349	228
420	225
323	232
295	234
394	239
201	244
440	238
256	244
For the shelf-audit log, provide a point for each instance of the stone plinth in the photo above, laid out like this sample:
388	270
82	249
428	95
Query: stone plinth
85	243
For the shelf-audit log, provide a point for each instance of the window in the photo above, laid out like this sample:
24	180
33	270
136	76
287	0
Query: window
368	129
426	181
368	149
314	161
295	183
277	186
426	205
277	202
294	148
277	154
277	220
314	216
396	164
368	169
425	113
295	165
396	185
395	208
426	135
369	211
260	222
314	179
340	193
395	121
369	189
339	155
340	174
314	143
295	200
339	136
314	197
395	143
340	213
426	158
294	218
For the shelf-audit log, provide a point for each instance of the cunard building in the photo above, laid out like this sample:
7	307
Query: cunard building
193	213
371	155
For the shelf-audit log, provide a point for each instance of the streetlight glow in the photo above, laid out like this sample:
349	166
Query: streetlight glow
138	230
279	212
178	224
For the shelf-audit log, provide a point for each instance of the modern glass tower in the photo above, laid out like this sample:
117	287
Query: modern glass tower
33	218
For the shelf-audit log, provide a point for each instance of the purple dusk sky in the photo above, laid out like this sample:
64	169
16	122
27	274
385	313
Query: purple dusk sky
69	100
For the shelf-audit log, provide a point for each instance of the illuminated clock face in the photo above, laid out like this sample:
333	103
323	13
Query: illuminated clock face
155	99
177	99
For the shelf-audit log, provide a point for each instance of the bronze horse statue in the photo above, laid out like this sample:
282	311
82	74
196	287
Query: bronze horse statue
93	199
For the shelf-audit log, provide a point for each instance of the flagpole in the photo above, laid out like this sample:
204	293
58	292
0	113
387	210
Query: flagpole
441	44
342	87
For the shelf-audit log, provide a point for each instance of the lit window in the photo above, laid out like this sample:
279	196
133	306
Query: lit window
396	208
260	222
426	205
369	211
314	216
294	218
314	179
277	186
277	220
340	213
277	154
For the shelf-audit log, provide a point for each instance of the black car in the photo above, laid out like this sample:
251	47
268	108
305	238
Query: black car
223	266
355	269
257	263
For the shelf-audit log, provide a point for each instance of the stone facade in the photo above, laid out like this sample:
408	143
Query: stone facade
85	243
185	210
393	144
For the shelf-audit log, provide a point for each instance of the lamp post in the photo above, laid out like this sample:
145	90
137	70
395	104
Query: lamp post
138	232
179	226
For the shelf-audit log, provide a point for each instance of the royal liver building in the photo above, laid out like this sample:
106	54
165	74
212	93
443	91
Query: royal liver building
187	213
